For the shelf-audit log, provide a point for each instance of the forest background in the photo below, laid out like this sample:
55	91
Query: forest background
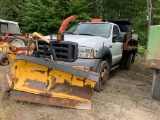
45	16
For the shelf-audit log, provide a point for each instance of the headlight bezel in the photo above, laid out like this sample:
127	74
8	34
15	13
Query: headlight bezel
85	52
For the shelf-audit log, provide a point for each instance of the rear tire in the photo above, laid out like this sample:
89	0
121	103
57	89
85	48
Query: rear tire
4	61
156	85
122	63
129	61
103	69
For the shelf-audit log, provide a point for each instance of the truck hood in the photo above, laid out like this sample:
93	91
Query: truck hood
84	40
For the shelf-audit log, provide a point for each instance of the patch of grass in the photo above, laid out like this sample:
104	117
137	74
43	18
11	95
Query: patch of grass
141	50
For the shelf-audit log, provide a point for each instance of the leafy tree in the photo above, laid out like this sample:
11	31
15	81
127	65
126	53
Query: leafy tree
9	9
156	12
45	16
38	16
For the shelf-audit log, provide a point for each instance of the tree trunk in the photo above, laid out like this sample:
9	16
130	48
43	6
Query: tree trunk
96	9
149	6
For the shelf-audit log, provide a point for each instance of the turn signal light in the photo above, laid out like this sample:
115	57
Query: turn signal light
60	36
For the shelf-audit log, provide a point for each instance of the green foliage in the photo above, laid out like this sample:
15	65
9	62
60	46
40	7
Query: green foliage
46	16
141	50
9	9
156	12
38	16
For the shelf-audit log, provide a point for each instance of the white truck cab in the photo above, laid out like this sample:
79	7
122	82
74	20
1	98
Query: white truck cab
97	39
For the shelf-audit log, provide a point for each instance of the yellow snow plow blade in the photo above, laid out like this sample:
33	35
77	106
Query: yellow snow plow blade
39	79
42	81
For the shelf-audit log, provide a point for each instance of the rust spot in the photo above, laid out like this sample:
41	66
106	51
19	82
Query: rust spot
67	88
41	71
84	80
47	83
46	94
15	67
48	71
23	96
71	77
34	84
15	80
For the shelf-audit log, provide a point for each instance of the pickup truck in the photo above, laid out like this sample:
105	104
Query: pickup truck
102	47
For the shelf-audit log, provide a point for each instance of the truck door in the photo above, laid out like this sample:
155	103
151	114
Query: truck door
117	47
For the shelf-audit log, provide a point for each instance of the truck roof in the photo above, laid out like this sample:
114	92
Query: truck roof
115	21
96	23
7	21
120	21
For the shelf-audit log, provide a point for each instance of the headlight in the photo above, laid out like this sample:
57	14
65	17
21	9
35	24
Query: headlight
85	52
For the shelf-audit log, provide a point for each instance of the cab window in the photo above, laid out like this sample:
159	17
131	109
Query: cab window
116	30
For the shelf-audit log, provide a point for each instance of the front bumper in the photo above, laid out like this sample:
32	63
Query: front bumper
91	64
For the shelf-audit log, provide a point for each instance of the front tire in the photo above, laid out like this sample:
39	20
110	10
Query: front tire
103	69
4	61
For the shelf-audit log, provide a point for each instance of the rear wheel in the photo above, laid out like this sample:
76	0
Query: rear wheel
4	61
103	69
122	63
129	61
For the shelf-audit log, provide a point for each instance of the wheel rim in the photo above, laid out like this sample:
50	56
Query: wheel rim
5	61
104	76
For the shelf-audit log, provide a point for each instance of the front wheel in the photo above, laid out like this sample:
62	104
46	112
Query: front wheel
4	61
103	69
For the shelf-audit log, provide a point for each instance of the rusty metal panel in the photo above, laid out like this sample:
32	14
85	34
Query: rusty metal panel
24	96
153	48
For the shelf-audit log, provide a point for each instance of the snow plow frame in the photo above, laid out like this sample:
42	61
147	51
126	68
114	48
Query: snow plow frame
46	81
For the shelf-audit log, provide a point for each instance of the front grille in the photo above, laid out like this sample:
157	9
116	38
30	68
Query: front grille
65	51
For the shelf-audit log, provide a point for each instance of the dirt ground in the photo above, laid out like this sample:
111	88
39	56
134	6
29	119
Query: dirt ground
127	97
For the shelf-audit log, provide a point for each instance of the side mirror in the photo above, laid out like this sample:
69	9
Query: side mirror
115	38
123	37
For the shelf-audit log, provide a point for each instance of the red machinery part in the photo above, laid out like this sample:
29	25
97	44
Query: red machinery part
65	23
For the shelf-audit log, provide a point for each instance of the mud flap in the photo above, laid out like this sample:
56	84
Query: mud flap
47	82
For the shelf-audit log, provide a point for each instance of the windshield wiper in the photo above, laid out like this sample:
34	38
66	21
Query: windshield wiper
86	34
71	33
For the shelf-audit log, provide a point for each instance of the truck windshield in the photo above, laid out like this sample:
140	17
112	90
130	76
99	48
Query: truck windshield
93	29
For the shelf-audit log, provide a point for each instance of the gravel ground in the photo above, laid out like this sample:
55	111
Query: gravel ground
126	97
